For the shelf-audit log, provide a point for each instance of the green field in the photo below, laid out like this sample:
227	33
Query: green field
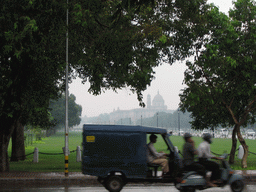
54	162
51	162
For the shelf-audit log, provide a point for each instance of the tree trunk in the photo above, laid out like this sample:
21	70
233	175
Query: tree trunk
5	135
18	147
245	147
4	161
234	145
48	132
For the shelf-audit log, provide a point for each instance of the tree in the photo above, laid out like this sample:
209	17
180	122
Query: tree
124	51
112	44
221	81
18	147
30	57
57	109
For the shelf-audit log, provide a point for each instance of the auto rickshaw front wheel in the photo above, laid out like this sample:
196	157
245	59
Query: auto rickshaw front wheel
114	183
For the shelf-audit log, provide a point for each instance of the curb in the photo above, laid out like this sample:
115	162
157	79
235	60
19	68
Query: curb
30	182
250	179
73	180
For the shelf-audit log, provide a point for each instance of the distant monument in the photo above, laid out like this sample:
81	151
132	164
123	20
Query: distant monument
151	109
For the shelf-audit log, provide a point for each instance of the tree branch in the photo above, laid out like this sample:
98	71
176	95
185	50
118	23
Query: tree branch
231	112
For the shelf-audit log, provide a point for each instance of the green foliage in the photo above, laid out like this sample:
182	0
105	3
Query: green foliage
30	59
112	44
130	38
221	81
57	109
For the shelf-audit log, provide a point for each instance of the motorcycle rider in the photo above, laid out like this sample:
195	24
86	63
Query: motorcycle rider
204	155
189	162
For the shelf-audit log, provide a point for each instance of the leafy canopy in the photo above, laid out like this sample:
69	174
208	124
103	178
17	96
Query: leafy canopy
57	110
221	81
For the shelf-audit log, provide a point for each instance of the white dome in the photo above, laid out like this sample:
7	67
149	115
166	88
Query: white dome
158	100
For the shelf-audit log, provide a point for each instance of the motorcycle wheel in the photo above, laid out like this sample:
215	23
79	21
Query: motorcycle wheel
187	189
114	184
237	186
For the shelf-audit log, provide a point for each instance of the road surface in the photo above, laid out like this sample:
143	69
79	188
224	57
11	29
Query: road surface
127	188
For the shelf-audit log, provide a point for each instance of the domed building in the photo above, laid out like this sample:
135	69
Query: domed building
157	105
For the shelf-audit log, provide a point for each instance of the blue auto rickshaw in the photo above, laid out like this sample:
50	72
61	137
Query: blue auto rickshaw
117	154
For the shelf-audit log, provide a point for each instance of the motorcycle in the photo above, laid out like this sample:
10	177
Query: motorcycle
191	181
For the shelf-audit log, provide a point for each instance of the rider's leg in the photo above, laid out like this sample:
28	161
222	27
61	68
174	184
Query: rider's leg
213	167
164	164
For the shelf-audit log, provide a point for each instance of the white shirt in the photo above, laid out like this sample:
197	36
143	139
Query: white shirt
152	154
204	150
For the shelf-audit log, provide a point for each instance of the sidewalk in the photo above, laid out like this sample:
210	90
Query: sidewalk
249	175
23	179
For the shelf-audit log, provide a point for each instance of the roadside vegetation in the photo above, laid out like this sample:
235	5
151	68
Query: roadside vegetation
52	159
130	37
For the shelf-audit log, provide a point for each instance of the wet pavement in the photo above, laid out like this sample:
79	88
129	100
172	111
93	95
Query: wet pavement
127	188
23	179
249	175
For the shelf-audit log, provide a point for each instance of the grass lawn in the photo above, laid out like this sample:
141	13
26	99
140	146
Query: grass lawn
50	163
218	146
54	162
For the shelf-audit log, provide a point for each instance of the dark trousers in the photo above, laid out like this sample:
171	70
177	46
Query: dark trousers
211	166
197	167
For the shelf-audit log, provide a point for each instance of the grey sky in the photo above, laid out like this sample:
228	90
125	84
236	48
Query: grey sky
168	81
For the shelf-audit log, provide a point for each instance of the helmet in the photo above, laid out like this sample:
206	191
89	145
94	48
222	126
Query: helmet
207	137
187	135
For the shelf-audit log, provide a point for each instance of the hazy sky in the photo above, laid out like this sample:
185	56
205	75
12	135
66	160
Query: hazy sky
168	81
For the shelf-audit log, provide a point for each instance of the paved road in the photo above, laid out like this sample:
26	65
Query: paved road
127	188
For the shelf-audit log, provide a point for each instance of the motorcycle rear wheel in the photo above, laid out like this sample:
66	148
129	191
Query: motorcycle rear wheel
237	186
187	189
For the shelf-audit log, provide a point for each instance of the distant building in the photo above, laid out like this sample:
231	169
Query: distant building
157	105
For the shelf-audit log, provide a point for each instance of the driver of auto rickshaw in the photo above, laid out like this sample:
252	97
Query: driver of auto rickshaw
159	158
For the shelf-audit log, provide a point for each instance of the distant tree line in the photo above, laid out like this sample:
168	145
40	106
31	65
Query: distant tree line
160	119
57	110
165	120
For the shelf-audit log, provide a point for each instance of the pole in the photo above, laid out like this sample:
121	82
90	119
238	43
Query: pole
179	120
66	105
156	119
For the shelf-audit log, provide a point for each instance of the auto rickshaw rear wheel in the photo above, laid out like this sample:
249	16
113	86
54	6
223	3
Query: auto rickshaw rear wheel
101	180
114	183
